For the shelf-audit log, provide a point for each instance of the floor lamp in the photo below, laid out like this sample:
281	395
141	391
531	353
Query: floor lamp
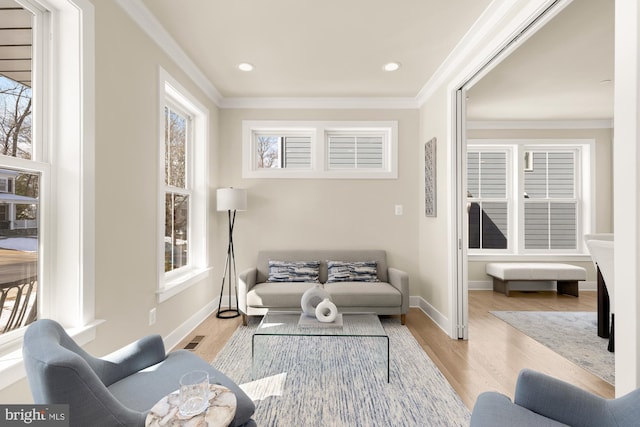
230	200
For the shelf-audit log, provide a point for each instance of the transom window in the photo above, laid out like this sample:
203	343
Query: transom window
527	196
320	149
284	149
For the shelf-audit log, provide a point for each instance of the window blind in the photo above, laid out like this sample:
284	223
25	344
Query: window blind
356	152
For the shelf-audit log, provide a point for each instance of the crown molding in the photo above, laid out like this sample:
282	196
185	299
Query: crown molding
320	103
540	124
145	19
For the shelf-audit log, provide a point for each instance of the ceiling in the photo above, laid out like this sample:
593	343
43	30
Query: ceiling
563	72
308	48
336	48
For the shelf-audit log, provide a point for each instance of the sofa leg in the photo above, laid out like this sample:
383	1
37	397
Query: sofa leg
403	319
244	319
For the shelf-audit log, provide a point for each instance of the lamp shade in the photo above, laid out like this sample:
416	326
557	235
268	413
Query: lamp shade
232	199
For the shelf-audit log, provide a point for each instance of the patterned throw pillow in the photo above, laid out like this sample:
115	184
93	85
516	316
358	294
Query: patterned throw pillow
357	271
294	271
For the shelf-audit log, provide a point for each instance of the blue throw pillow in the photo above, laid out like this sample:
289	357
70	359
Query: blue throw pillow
356	271
294	271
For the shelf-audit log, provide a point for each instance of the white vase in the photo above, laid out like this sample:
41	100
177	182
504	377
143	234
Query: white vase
311	298
326	311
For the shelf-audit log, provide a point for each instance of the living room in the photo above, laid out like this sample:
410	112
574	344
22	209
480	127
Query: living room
121	271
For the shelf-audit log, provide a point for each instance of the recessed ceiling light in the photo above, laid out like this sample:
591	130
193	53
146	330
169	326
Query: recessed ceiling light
391	66
245	66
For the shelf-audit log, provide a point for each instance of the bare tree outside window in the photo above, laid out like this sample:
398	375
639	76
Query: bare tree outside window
176	195
15	119
267	149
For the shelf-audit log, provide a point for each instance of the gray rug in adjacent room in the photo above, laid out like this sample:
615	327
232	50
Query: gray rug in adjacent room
342	381
573	335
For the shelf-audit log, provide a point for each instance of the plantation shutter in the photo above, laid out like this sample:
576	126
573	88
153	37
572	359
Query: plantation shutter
356	152
297	152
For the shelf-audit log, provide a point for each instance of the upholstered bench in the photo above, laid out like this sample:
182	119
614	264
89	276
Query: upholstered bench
566	276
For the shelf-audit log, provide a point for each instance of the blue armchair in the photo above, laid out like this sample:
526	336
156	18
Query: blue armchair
116	390
541	400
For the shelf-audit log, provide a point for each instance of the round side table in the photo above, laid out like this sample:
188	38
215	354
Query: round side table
221	410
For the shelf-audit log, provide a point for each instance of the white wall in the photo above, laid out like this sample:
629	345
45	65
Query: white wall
626	189
322	213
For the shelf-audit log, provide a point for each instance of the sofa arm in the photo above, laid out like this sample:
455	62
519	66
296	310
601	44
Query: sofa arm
560	401
400	280
246	280
130	359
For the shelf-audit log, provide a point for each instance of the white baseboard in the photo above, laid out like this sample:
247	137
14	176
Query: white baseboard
178	334
438	318
487	285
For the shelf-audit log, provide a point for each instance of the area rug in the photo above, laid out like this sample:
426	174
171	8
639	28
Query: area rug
573	335
342	381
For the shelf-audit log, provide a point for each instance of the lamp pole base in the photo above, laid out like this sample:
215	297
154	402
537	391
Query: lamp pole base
232	313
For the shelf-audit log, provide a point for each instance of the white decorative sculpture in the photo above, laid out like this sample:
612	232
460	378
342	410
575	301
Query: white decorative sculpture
326	311
311	298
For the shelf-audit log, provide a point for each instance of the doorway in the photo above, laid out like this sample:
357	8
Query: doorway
516	76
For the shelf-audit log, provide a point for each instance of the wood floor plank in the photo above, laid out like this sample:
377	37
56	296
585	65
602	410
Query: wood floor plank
492	357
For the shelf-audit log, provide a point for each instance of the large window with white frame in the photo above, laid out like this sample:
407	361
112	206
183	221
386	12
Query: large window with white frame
23	168
528	197
183	197
46	164
288	149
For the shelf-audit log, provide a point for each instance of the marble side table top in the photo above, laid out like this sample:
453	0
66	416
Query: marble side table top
221	410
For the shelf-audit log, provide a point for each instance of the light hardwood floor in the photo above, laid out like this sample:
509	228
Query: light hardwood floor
489	360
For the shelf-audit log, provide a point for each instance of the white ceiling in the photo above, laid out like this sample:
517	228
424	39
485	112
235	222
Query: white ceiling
563	72
309	48
336	48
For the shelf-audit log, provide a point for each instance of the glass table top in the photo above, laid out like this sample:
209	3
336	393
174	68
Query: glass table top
353	324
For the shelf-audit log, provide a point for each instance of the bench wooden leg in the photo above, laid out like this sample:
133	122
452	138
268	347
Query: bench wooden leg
501	286
568	287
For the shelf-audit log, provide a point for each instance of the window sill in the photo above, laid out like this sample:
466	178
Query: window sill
12	366
181	282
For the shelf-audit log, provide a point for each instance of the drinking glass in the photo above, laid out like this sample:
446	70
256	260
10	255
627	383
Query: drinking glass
194	393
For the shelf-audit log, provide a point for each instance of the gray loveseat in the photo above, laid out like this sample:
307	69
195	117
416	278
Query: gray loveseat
387	296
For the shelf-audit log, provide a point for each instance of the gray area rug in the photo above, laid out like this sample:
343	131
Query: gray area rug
573	335
342	381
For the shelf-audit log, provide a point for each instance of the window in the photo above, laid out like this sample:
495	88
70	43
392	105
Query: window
47	150
528	197
320	149
285	149
364	151
183	251
21	164
177	189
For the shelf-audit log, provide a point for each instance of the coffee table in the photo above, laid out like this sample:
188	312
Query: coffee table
279	323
